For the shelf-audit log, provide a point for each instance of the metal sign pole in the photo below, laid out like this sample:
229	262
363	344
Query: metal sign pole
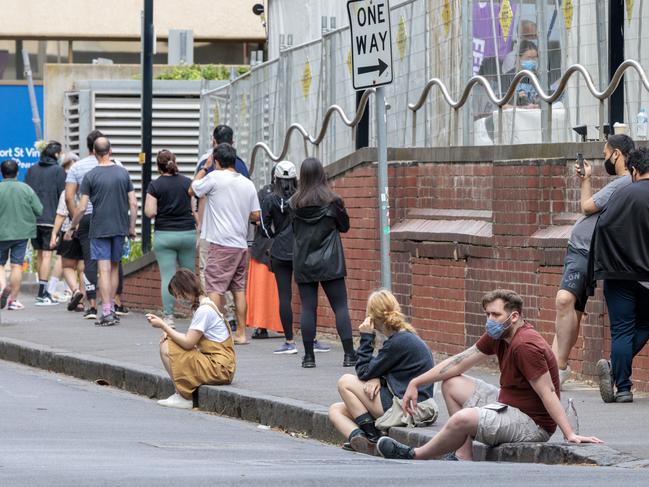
384	201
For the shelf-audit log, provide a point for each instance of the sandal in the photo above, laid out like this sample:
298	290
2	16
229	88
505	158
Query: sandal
260	333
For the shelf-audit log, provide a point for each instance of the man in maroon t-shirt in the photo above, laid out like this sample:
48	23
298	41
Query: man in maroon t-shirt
525	408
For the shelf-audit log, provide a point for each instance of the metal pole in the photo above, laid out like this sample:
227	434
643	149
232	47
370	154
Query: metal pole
467	68
147	114
32	96
544	66
384	202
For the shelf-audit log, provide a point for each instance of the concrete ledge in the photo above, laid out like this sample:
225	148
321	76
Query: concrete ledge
288	414
548	453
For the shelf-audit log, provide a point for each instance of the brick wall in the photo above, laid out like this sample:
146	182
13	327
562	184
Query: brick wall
440	279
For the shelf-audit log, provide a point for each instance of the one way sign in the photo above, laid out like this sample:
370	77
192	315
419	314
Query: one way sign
371	42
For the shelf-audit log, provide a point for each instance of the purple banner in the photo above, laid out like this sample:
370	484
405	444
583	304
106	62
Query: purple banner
483	33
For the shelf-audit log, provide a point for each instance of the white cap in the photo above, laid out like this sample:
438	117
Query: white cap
285	170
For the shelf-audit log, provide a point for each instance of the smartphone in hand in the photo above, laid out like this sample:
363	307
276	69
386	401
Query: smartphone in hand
580	160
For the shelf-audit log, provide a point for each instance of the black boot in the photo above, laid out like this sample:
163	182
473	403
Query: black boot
349	360
360	443
308	361
366	423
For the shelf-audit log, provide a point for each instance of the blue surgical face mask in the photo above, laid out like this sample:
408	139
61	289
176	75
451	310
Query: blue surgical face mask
529	64
496	329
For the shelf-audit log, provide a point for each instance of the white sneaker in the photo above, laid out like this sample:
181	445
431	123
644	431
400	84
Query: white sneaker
15	306
564	375
176	401
169	320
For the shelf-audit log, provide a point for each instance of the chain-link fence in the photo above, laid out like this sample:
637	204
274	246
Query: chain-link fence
452	40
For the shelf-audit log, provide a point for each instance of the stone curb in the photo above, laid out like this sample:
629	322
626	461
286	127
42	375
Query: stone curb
285	413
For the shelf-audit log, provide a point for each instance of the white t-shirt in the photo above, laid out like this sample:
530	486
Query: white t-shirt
231	198
210	324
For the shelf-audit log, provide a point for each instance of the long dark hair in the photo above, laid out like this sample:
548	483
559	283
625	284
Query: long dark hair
186	284
313	189
167	162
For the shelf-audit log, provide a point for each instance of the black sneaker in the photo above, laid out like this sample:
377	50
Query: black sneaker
108	320
308	362
605	373
360	443
233	325
350	359
624	396
75	300
389	448
4	296
121	310
90	314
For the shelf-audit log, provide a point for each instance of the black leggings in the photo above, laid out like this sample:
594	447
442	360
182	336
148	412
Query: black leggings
283	270
336	292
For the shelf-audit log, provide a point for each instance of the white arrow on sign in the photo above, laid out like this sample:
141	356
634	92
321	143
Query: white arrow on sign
371	33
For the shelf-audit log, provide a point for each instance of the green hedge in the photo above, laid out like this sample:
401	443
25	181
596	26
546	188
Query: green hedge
201	71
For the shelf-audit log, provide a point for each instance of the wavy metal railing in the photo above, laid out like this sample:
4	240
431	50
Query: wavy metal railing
296	127
551	98
547	98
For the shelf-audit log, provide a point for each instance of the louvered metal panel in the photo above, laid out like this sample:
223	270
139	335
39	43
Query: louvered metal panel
114	108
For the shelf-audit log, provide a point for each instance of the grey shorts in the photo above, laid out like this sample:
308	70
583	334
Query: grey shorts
496	427
575	270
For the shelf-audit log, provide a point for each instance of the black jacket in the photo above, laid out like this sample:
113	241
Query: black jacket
261	245
276	221
47	179
318	251
620	245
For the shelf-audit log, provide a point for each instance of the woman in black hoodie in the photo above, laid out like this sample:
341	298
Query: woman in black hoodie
319	216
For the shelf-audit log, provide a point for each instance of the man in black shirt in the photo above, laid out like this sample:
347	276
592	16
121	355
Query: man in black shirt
109	188
620	257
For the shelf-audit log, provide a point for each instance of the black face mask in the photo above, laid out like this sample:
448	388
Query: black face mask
610	167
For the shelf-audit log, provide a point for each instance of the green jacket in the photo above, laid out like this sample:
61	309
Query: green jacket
19	208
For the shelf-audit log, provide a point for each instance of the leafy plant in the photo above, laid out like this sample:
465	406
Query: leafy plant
201	71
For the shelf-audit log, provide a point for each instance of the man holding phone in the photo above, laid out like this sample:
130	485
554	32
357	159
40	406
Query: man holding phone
571	298
525	408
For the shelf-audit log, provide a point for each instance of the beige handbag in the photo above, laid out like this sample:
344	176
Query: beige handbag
425	415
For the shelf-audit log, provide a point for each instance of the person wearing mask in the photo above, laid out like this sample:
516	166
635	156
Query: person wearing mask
47	179
369	394
20	209
222	134
69	251
261	289
527	96
619	257
572	296
109	188
319	216
168	201
527	406
527	32
203	355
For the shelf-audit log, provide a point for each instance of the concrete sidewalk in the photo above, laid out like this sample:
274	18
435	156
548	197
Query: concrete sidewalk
276	391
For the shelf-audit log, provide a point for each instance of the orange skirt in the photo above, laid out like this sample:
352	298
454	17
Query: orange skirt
262	298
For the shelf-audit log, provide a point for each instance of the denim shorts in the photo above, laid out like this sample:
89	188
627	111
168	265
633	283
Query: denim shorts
495	427
573	280
108	248
16	248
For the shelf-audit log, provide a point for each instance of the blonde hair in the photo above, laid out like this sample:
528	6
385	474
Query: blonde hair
384	310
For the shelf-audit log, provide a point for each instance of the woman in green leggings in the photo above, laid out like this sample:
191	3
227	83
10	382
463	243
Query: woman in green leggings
175	225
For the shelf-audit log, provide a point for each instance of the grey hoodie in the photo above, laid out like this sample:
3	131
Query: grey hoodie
47	179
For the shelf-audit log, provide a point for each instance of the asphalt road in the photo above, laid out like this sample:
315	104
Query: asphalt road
55	430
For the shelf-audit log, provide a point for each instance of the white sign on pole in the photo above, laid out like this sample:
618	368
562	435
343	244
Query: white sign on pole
371	32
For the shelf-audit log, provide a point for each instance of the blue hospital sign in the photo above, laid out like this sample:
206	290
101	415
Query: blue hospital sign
17	133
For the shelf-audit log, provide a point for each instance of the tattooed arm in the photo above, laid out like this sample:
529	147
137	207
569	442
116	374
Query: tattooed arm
451	367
